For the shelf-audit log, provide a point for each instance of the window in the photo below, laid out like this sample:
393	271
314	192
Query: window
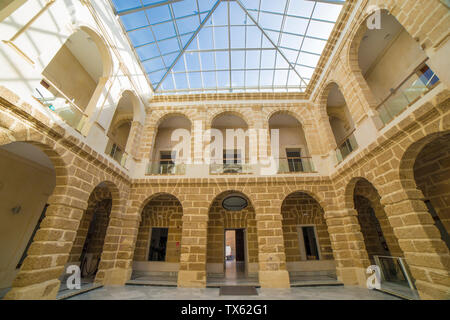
36	228
427	76
232	162
294	160
166	163
158	244
309	248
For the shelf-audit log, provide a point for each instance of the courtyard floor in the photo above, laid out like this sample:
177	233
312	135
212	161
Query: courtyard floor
131	292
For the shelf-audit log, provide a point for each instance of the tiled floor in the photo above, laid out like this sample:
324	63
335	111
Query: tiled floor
130	292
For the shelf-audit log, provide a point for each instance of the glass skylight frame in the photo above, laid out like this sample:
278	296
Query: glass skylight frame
176	58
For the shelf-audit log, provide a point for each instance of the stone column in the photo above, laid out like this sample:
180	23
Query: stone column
81	235
192	273
348	246
272	258
116	264
49	252
426	254
133	139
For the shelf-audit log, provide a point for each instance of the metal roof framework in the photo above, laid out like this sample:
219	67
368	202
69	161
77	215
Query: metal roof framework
200	46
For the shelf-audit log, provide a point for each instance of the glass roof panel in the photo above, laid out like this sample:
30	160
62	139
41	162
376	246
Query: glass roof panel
188	46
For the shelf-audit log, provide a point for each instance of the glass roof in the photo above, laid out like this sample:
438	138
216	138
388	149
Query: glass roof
199	46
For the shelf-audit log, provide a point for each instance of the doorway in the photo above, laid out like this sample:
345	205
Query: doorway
235	266
158	244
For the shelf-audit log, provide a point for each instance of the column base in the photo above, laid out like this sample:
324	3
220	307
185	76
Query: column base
117	276
41	291
429	291
353	277
191	279
274	279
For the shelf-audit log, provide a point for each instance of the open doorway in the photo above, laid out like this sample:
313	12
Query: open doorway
235	254
158	244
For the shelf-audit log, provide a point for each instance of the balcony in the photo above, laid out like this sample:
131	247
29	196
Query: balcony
116	152
219	167
60	104
415	86
346	147
295	165
165	168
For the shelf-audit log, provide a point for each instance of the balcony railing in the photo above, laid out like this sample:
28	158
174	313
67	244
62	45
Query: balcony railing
396	277
295	165
218	167
416	85
346	147
164	168
116	152
69	112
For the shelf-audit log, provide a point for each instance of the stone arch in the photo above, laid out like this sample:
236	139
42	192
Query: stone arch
220	219
155	195
314	195
60	159
323	114
160	210
363	188
301	208
243	114
102	48
120	120
99	208
226	191
138	110
408	158
159	116
303	119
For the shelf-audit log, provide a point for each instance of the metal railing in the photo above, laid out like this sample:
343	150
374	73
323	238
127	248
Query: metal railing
165	168
411	89
346	147
293	165
116	152
396	277
218	167
68	111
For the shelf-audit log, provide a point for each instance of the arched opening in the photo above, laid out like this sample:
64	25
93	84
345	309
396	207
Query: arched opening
394	66
307	244
432	177
27	179
171	147
341	122
232	243
293	153
229	145
119	130
380	241
158	245
87	248
73	93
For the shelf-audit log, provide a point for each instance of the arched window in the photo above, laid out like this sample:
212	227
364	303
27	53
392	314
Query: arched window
230	145
341	123
293	152
394	66
73	80
166	159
